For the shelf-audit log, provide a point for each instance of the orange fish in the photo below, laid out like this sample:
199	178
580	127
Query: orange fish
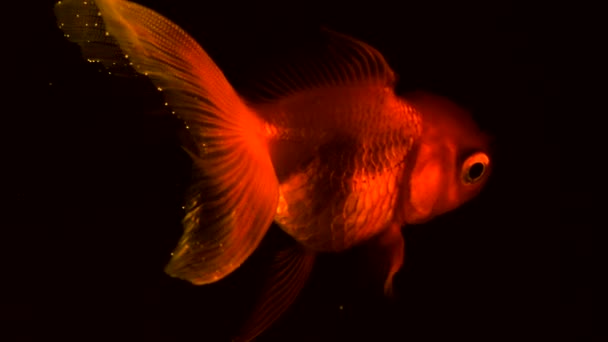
335	158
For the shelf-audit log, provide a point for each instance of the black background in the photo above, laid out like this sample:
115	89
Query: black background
99	179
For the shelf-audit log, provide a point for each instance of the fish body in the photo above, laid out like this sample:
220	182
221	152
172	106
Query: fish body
335	157
350	146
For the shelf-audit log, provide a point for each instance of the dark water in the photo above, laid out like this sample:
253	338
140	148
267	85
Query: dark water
100	176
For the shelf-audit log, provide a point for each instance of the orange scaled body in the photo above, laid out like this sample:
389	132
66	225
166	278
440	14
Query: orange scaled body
335	158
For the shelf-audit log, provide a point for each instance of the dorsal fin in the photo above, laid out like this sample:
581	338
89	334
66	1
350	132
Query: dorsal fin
342	61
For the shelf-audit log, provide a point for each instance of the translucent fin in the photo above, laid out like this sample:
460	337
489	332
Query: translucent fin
287	278
387	252
342	61
234	199
393	243
82	23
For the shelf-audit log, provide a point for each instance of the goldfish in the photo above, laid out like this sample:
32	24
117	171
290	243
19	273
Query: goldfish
335	158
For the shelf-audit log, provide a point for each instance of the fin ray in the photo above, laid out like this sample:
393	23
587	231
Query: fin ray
393	243
343	61
384	257
233	199
289	273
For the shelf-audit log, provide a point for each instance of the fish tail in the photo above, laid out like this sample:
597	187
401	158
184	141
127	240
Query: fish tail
234	197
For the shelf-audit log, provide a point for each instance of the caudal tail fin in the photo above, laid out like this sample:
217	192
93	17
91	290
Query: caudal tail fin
233	201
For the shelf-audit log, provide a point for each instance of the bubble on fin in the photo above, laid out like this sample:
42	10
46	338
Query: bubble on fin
82	23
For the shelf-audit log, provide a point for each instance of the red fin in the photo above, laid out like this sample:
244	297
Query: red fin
233	201
343	61
287	278
387	252
392	240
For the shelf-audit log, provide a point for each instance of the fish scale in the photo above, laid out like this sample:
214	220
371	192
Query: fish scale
330	204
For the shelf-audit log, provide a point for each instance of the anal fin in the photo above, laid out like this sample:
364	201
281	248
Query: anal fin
288	275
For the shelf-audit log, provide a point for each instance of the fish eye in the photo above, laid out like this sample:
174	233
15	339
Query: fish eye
474	168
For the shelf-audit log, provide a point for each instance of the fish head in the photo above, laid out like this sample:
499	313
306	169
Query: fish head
452	161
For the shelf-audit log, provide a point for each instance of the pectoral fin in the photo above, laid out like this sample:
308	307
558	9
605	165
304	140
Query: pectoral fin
287	277
387	253
394	244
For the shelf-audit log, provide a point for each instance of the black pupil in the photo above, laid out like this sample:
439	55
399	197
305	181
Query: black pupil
476	170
